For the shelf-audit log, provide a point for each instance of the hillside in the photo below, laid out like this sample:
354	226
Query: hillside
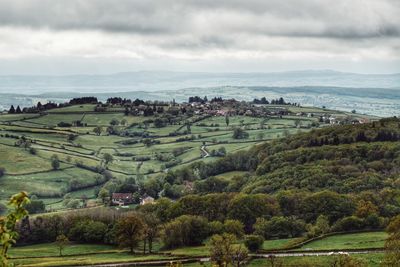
345	159
140	146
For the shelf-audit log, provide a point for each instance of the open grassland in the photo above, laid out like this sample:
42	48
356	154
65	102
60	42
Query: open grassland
372	260
278	243
84	254
348	241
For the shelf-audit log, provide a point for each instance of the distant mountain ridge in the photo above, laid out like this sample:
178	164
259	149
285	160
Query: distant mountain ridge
373	101
150	81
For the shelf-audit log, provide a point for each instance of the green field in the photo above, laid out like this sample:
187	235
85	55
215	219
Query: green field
85	254
33	172
348	241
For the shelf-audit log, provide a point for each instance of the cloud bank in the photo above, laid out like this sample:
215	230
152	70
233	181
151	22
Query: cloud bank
357	30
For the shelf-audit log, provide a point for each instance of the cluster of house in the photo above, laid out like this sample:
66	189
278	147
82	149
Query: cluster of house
124	199
232	107
345	120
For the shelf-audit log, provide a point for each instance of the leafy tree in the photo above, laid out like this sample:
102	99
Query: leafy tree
2	171
348	261
280	227
321	226
234	227
147	142
216	227
186	230
331	204
365	209
239	133
114	122
73	204
8	234
108	158
247	208
11	110
129	231
239	255
104	194
35	206
55	162
62	241
253	242
221	248
32	151
348	223
87	230
152	230
392	244
224	251
98	130
227	120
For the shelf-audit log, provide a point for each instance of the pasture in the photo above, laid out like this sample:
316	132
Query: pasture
68	134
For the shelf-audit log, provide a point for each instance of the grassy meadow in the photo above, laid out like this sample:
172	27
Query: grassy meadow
30	169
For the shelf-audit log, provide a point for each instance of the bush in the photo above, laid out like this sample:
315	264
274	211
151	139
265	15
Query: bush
239	133
2	171
348	224
73	204
55	162
279	227
253	242
35	206
32	150
64	124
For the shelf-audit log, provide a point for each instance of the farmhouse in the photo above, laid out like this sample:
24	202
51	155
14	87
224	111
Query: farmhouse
122	199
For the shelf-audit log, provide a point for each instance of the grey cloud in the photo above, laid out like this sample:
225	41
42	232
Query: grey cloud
297	18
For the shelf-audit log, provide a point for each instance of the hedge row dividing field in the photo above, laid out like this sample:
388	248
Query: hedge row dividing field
80	150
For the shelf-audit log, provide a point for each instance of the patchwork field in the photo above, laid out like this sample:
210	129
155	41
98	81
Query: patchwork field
29	142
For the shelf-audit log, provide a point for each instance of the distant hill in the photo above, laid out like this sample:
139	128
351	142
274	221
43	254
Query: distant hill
164	80
383	102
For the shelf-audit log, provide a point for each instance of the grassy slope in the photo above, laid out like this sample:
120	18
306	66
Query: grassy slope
50	141
349	241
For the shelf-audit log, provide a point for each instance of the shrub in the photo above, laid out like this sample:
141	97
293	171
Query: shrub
35	206
348	224
253	242
2	171
279	227
32	150
239	133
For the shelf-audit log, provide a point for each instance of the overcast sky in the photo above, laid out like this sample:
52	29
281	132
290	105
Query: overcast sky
107	36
